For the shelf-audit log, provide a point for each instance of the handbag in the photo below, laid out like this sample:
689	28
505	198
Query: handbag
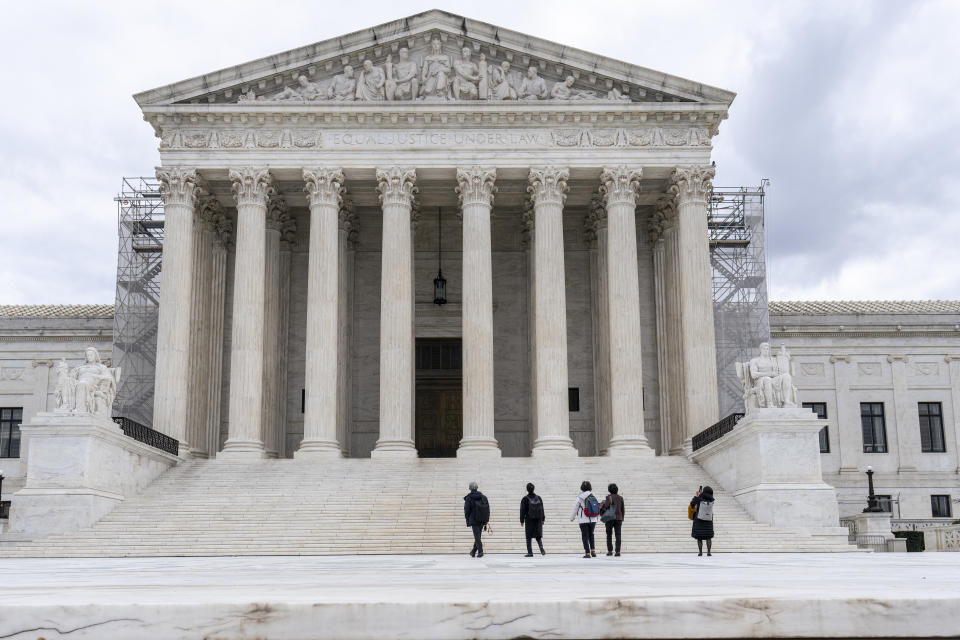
691	511
608	514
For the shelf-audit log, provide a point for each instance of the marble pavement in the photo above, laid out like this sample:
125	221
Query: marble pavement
500	596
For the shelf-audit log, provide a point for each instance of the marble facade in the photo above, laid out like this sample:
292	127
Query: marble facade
558	177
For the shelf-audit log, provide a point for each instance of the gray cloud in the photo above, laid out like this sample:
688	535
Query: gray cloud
849	107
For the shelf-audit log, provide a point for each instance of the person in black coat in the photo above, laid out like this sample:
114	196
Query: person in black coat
476	510
532	517
703	527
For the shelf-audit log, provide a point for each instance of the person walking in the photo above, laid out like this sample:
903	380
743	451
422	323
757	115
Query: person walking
476	509
586	511
532	517
611	514
702	504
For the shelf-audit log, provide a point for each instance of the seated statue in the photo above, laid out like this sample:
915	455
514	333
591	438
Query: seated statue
344	86
564	91
500	86
305	90
87	388
767	380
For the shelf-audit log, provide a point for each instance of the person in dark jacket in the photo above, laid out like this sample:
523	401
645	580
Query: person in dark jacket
532	517
472	506
702	527
613	526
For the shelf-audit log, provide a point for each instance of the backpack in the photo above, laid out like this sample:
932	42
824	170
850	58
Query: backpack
481	510
534	508
591	508
705	510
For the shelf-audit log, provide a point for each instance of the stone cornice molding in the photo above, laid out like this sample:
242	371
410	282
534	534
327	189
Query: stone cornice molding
180	186
692	183
548	185
397	185
475	185
252	186
324	185
620	185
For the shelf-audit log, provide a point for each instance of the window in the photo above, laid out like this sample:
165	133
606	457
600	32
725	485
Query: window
820	408
574	398
10	419
436	355
885	503
873	426
931	427
940	506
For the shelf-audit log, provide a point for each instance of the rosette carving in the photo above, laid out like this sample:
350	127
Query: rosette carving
397	185
475	185
548	185
180	186
692	182
324	185
620	185
252	186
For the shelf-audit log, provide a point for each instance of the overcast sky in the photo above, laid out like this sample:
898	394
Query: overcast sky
852	109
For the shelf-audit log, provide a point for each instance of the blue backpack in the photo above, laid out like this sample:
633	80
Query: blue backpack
591	508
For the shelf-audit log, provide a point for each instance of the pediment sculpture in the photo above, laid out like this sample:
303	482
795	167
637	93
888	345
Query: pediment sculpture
768	380
87	388
435	77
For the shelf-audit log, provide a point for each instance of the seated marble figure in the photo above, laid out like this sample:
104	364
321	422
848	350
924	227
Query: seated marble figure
768	380
87	388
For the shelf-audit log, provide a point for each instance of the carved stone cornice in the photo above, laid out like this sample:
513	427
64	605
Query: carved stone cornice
397	185
548	185
180	186
476	185
620	185
252	186
694	182
324	185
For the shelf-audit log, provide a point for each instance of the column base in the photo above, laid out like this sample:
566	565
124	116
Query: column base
394	450
479	448
629	446
242	450
318	449
554	447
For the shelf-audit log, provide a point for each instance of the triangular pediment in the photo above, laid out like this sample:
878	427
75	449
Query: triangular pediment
434	57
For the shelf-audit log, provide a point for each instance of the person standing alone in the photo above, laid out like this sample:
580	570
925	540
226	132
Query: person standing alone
611	514
532	517
476	509
703	518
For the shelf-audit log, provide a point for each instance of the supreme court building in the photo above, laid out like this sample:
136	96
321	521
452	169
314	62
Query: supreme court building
311	198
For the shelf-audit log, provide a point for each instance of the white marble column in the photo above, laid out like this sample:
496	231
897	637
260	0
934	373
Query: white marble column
218	281
528	241
347	251
324	187
475	186
692	187
659	294
269	420
619	187
595	229
288	238
200	329
905	417
953	364
180	188
547	189
397	186
252	189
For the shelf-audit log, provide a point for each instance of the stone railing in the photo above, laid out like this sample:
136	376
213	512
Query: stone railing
946	538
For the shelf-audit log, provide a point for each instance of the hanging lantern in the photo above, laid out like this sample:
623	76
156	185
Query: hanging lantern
439	283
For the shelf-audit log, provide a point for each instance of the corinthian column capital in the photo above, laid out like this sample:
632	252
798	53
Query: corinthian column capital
252	186
693	182
180	186
620	185
397	185
475	185
548	185
324	185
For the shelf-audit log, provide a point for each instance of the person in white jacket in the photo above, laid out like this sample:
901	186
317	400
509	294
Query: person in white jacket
586	512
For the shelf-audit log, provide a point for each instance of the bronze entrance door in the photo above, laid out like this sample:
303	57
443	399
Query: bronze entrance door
439	398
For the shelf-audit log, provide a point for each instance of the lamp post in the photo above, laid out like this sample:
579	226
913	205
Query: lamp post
439	283
873	505
1	491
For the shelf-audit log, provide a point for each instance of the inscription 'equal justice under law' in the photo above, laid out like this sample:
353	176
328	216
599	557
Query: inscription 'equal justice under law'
452	138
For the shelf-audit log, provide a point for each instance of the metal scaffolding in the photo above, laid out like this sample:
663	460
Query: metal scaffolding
738	259
140	226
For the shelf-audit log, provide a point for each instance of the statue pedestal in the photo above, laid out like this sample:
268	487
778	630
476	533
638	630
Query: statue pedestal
79	468
771	464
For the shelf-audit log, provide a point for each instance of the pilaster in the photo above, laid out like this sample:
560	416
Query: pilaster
848	432
908	436
953	364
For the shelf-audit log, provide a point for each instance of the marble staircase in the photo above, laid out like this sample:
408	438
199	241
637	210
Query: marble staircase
363	506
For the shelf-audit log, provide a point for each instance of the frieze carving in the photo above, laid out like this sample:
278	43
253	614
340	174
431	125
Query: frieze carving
812	369
12	373
925	369
868	368
438	75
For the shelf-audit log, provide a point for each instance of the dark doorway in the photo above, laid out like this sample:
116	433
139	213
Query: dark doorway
439	397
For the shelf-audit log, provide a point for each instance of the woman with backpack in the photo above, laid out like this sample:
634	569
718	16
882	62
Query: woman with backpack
532	517
586	510
702	504
611	514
